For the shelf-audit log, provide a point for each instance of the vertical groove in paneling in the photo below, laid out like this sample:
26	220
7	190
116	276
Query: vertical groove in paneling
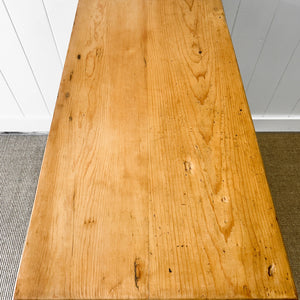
26	57
248	36
16	70
61	15
279	45
53	37
262	48
287	92
230	9
12	94
295	110
281	77
35	36
235	17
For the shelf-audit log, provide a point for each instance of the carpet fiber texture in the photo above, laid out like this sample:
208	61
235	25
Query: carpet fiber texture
20	162
281	157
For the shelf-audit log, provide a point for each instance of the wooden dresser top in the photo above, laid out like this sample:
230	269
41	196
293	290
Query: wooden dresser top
152	184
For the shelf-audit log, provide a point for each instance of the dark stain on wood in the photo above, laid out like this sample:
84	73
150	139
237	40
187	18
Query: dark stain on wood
271	270
137	272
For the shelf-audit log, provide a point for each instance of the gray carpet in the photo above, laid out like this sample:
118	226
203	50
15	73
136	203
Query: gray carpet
20	162
21	158
281	156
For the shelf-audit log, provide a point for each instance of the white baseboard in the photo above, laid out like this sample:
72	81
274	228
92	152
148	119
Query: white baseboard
19	124
276	123
42	124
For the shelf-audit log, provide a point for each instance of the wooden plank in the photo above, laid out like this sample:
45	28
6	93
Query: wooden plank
152	185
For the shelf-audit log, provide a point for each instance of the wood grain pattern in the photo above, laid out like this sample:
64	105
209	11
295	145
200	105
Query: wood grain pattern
152	184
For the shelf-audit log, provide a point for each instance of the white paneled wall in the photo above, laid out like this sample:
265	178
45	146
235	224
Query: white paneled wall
35	36
266	39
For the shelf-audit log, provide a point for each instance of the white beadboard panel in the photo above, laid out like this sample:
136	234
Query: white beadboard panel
276	123
278	47
35	36
31	23
8	104
61	15
21	124
296	110
248	36
15	68
287	92
231	8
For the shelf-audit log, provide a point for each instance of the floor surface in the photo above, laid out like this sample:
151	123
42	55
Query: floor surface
20	162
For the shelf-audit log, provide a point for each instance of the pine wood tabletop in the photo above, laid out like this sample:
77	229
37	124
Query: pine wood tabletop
152	184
